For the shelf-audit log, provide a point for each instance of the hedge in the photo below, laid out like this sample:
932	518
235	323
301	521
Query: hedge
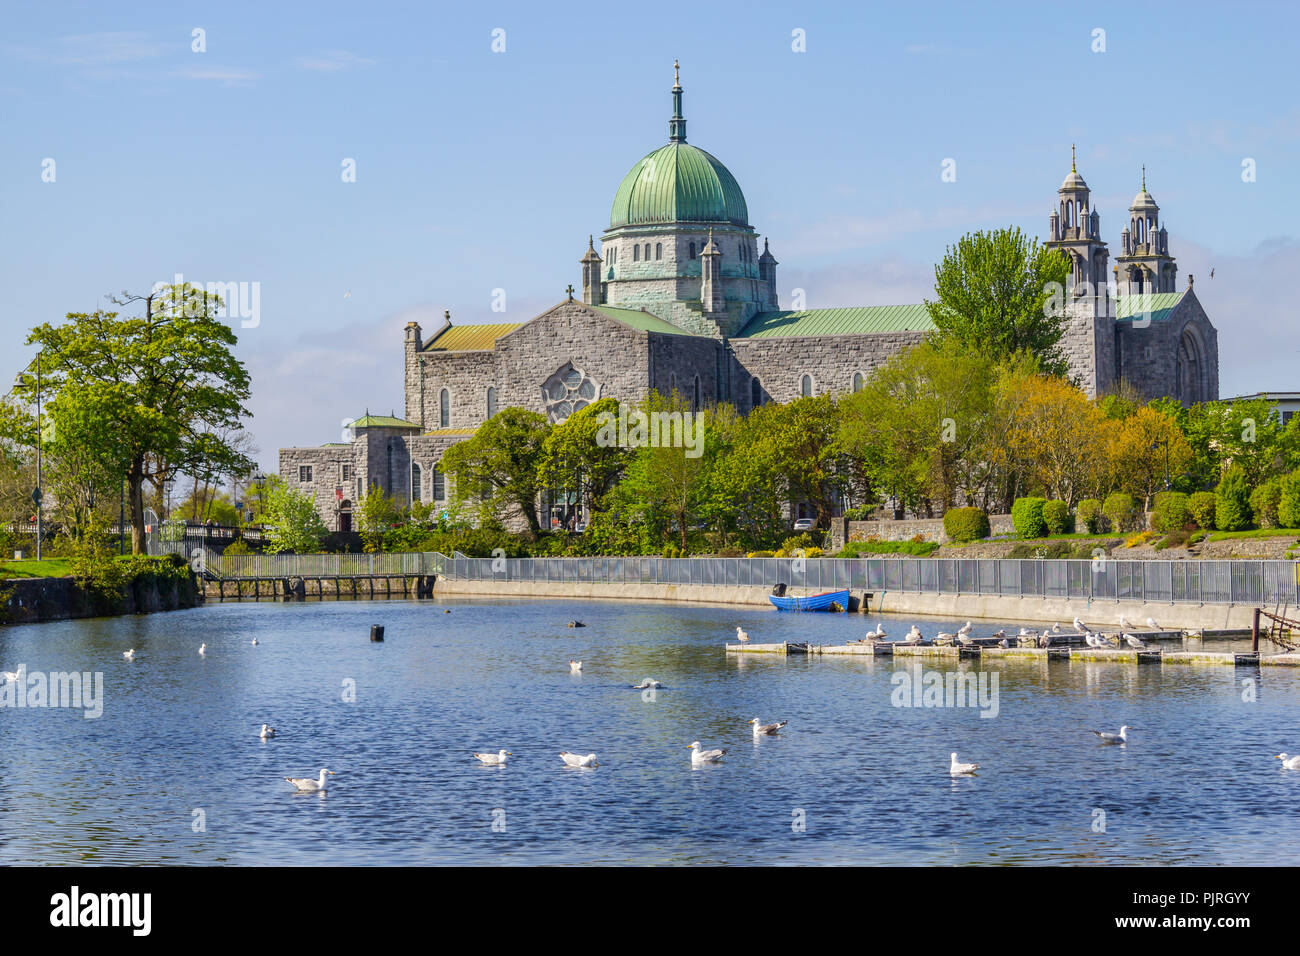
1088	513
965	524
1056	515
1120	509
1264	501
1288	505
1201	505
1232	501
1171	512
1027	517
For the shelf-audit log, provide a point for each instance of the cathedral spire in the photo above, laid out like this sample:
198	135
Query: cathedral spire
1073	168
677	125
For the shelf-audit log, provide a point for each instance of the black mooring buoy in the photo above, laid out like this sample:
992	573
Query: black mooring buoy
376	632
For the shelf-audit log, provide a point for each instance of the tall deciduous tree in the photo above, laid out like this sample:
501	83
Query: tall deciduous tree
499	465
151	397
1000	292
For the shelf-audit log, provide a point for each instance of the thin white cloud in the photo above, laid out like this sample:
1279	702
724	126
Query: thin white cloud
226	76
97	49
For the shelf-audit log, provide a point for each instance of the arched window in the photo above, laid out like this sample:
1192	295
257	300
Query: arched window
491	401
636	253
416	477
439	485
647	252
659	251
755	393
858	381
692	250
444	408
806	386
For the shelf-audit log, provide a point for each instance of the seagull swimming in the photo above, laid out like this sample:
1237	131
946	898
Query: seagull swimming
267	732
1119	738
1289	762
648	683
7	676
1134	643
956	767
203	650
741	636
129	655
575	667
254	642
699	756
308	785
577	760
494	760
769	729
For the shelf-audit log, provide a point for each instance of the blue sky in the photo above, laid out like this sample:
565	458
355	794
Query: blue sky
479	170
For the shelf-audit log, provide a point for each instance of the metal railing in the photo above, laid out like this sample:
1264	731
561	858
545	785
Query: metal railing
1175	582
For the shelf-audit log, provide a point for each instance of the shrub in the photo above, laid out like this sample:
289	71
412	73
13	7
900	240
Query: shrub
671	551
1201	505
813	553
799	542
1121	510
1088	513
1288	504
1142	537
1171	512
966	524
860	513
1027	517
237	547
760	554
1056	515
1264	501
1232	501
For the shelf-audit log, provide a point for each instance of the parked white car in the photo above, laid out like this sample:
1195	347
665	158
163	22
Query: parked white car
805	524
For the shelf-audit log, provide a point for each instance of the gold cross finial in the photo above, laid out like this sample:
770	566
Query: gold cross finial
677	80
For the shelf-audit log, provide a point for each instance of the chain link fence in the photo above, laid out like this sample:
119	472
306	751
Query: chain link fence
1176	582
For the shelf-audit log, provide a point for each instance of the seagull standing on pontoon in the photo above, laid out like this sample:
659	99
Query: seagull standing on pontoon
1119	738
914	636
875	635
1081	627
965	628
497	759
308	785
1124	623
769	730
267	732
578	760
956	768
741	635
699	756
1152	624
1289	762
1134	643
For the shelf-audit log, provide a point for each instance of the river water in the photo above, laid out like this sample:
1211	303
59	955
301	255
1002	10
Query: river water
174	772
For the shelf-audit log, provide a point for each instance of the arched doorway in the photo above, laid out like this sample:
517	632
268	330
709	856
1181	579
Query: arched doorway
1189	369
345	516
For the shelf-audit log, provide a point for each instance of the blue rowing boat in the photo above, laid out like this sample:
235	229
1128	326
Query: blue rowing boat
813	602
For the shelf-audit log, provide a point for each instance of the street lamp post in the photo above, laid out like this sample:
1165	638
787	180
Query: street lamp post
37	494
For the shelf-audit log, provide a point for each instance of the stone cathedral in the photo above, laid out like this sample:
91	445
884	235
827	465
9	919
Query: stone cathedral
681	295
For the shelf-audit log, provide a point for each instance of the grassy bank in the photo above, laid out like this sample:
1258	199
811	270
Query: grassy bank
31	568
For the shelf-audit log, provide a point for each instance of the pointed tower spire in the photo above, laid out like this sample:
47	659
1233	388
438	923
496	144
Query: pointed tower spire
1073	168
677	125
1144	177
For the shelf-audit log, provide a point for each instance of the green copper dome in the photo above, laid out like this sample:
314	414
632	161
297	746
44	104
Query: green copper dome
678	183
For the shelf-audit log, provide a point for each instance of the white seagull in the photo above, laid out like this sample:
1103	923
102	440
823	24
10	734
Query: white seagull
203	650
267	732
129	655
7	676
1289	762
648	683
1080	626
575	667
1152	624
254	642
741	636
578	760
1119	738
1134	643
769	729
699	756
308	785
965	628
956	767
496	759
1124	623
914	636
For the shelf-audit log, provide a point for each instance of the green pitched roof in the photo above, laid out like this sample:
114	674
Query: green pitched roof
678	183
866	320
644	321
382	421
1157	305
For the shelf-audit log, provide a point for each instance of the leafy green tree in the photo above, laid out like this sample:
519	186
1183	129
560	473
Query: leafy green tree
499	465
998	293
161	390
576	459
291	520
1232	501
377	515
1245	433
